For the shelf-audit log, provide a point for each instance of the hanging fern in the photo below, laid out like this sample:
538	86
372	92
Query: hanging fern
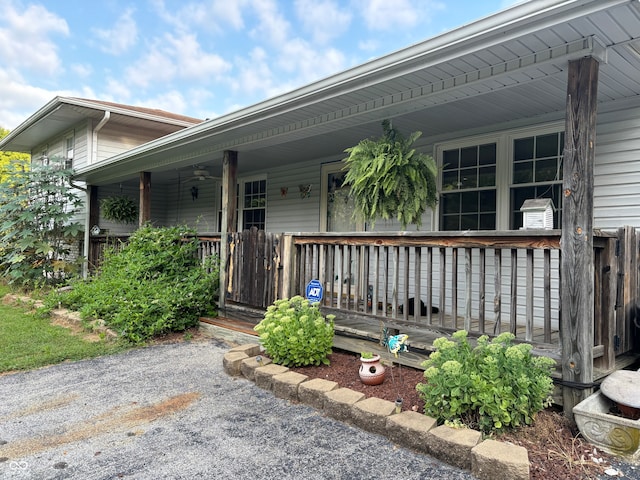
119	209
388	178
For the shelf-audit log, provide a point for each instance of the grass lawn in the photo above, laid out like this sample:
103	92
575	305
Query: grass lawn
28	341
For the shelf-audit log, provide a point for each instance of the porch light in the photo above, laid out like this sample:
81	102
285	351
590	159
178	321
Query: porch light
537	213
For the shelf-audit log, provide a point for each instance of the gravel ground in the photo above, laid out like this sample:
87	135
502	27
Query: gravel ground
171	412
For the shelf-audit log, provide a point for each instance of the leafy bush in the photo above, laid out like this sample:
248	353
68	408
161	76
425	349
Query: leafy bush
154	285
294	333
493	386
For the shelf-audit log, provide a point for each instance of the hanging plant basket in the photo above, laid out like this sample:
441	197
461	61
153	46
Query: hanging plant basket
389	179
119	208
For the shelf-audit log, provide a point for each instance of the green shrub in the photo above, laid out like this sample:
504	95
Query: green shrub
154	285
294	333
491	387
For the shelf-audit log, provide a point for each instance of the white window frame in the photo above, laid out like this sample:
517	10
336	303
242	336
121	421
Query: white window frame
504	163
240	191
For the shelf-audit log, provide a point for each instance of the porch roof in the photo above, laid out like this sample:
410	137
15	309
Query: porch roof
508	67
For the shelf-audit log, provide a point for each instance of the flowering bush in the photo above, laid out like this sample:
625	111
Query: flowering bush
294	333
492	386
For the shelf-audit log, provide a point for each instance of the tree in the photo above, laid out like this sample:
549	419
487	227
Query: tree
388	178
7	157
36	230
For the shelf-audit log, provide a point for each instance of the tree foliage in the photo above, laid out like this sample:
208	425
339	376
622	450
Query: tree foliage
7	157
388	178
36	230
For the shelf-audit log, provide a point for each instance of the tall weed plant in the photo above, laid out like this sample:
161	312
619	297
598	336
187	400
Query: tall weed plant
154	285
494	386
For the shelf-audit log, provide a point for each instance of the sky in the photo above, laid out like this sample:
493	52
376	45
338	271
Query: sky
201	58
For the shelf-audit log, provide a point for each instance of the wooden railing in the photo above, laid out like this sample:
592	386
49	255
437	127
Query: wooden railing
208	245
483	282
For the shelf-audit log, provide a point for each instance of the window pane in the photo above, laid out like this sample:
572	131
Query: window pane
487	177
469	157
450	159
469	178
450	180
450	203
488	201
487	154
547	145
469	222
487	221
523	149
523	172
450	222
469	202
546	170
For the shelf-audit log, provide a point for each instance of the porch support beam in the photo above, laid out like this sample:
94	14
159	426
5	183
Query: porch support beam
92	219
145	198
229	216
576	243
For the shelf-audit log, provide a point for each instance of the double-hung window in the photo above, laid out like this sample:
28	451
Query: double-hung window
484	181
253	193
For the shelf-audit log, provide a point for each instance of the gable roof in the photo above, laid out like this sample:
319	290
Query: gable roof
62	113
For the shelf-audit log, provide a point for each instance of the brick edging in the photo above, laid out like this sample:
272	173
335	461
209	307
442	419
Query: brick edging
464	448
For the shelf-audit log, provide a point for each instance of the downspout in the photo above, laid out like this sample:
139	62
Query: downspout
94	139
87	218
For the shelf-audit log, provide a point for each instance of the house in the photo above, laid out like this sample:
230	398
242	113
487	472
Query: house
540	100
83	132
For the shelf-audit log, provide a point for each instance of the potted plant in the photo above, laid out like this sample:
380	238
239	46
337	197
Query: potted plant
371	372
388	178
119	208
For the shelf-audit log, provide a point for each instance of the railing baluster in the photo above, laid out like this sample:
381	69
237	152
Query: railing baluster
469	290
481	289
417	265
454	287
528	335
513	324
497	299
443	283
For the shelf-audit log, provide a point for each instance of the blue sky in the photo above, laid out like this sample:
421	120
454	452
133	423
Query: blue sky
201	58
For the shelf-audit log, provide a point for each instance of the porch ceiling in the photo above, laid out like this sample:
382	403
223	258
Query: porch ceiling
503	69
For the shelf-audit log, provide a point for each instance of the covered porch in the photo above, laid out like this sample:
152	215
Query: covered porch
546	66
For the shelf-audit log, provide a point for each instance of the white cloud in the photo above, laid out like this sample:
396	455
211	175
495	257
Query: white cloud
115	89
253	73
25	38
176	57
273	28
216	15
324	19
81	70
308	63
169	101
388	15
121	37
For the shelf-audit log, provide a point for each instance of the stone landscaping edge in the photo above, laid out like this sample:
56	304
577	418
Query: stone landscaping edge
462	447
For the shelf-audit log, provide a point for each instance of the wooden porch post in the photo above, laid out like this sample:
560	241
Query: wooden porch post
576	243
92	219
145	198
229	215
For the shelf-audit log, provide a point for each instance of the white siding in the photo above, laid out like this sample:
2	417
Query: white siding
114	139
617	169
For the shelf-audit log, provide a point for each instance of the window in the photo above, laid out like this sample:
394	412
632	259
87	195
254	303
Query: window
537	173
69	144
468	200
484	180
336	206
254	203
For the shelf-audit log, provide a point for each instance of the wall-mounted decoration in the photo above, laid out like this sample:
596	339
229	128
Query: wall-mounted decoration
284	191
194	193
305	190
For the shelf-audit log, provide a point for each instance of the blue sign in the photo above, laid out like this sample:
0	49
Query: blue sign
314	291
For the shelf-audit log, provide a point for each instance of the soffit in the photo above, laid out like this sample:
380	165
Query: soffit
520	75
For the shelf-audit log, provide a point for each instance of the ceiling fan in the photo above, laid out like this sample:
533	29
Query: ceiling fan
200	174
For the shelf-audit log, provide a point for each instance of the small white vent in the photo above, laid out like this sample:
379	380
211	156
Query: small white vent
537	214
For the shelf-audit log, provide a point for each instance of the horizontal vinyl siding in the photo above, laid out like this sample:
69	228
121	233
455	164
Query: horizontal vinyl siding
291	212
114	139
180	208
617	170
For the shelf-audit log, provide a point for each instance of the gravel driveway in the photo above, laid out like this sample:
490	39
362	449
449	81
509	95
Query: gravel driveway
171	412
